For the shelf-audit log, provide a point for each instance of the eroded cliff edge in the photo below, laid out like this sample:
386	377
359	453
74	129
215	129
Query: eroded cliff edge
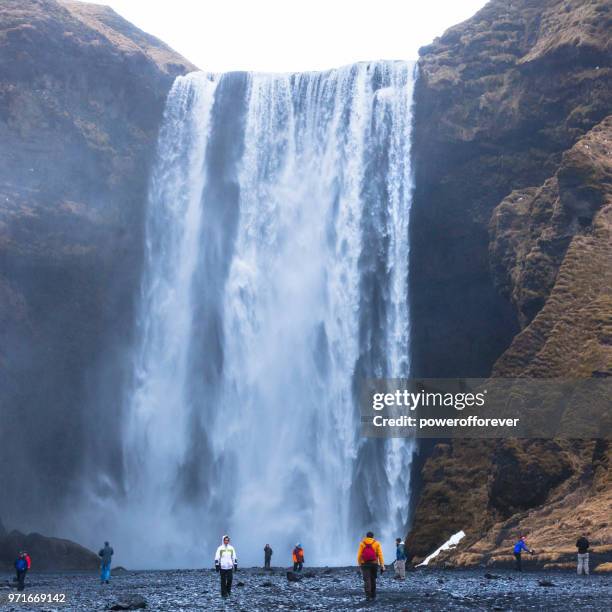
511	249
81	99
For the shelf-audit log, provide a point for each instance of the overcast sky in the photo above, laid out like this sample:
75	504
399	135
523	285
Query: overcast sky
293	35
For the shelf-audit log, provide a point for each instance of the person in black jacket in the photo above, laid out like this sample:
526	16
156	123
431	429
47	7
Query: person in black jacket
582	544
267	556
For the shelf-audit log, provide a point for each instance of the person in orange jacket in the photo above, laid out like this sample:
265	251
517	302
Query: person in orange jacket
298	558
370	558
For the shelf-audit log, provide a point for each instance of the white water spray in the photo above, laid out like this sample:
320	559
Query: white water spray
275	278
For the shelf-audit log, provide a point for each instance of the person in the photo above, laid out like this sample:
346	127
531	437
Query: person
105	555
369	559
28	560
400	559
582	544
21	568
519	547
226	563
298	558
267	556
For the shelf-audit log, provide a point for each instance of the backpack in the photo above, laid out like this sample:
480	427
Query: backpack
368	554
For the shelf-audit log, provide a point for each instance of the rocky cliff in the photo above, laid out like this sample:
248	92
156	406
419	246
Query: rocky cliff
81	98
512	250
510	253
48	554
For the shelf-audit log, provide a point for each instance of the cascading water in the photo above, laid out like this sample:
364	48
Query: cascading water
275	278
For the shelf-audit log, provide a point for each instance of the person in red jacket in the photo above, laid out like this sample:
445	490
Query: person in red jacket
28	560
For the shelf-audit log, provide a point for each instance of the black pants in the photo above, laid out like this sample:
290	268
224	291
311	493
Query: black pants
370	572
267	562
21	574
226	581
297	566
519	567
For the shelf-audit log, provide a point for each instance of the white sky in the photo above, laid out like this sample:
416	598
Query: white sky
293	35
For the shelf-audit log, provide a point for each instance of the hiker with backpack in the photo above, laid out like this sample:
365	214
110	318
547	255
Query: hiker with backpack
298	558
400	559
370	559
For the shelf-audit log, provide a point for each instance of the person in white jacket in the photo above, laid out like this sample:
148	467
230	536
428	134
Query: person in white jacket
226	563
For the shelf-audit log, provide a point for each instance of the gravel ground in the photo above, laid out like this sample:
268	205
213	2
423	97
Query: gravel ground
322	589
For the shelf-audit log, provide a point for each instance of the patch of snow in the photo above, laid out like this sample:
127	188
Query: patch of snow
450	543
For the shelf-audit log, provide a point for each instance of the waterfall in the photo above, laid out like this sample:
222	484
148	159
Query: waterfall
275	279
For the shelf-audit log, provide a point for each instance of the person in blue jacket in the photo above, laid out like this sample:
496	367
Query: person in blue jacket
400	559
519	547
21	567
105	555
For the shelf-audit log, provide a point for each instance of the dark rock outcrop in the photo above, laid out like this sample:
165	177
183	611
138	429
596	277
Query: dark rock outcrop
512	252
81	98
130	602
47	554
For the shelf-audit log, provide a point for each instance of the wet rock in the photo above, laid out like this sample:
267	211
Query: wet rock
240	584
266	584
293	577
131	602
491	576
545	583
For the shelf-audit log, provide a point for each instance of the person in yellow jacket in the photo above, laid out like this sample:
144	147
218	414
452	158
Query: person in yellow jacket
370	558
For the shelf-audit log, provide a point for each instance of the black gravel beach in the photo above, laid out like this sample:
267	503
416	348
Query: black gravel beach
320	589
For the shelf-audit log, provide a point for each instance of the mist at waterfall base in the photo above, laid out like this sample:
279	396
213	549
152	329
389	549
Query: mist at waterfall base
275	280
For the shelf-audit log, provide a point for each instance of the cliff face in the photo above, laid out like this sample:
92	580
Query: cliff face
49	554
81	98
514	199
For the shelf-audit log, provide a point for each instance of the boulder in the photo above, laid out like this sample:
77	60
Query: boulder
130	602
